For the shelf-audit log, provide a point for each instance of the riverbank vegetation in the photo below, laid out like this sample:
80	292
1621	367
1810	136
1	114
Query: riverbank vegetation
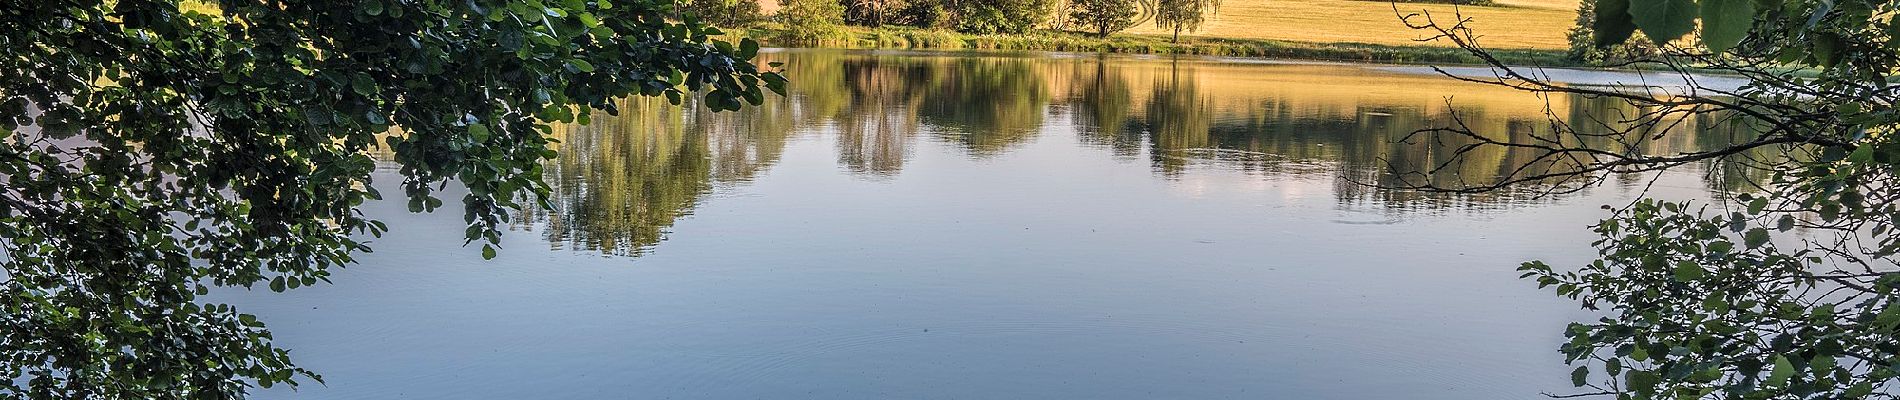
899	37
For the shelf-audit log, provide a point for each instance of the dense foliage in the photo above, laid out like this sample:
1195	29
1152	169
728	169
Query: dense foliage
809	20
151	154
1103	16
876	13
1787	292
1000	16
727	13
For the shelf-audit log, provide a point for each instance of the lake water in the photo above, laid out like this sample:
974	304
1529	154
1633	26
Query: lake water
1033	226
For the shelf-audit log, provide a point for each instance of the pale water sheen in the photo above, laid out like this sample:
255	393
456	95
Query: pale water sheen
918	225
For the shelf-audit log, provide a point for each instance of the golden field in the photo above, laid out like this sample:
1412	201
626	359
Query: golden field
1518	24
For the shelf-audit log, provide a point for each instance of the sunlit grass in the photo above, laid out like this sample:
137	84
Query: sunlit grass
1519	24
1566	5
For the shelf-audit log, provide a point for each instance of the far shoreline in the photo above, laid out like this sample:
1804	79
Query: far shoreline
908	38
1564	75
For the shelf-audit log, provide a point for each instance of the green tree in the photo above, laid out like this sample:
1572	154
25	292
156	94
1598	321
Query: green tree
810	21
151	154
1103	16
921	13
1785	292
875	12
725	13
1000	16
1183	15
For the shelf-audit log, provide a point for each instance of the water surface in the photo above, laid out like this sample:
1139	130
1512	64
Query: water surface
1032	226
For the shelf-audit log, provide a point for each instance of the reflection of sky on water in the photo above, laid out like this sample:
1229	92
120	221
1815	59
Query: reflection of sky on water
910	226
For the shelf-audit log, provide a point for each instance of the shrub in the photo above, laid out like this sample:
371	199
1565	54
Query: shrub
810	21
1000	16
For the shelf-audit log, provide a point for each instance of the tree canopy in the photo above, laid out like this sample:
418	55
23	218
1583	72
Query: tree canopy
1183	15
727	13
153	150
1000	16
1103	16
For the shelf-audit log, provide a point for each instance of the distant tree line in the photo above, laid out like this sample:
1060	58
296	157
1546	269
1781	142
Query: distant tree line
1098	17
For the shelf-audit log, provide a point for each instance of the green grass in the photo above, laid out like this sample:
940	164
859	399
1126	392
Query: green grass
915	38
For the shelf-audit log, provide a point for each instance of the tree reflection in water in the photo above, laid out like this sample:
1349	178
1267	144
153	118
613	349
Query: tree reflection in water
622	181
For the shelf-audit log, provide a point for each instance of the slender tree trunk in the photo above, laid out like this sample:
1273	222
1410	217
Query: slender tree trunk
1177	35
878	10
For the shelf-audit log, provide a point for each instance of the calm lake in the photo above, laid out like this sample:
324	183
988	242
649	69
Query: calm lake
1022	226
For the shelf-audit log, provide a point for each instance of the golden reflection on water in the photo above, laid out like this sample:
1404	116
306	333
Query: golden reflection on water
623	180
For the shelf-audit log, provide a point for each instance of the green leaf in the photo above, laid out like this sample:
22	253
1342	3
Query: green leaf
748	48
373	7
1861	154
1755	237
1726	22
479	132
1613	25
1783	370
1860	390
581	65
1720	247
1578	376
363	84
1643	381
1663	20
1826	47
488	252
1688	271
1821	364
317	115
1888	317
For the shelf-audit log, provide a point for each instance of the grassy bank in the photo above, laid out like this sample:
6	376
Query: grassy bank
915	38
1512	24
